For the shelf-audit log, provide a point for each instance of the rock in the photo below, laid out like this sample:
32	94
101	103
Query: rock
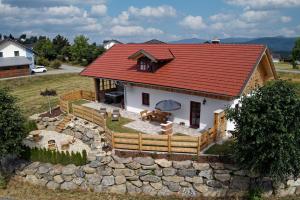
89	134
158	172
157	185
132	189
43	169
79	173
164	191
47	177
105	171
241	173
95	164
150	167
105	160
56	170
231	167
222	177
240	183
58	179
201	166
297	190
185	184
182	164
78	135
201	187
206	174
30	171
69	169
67	177
132	178
114	165
150	178
175	179
93	179
144	160
89	170
99	188
214	184
108	180
68	186
124	172
120	179
286	192
142	172
51	128
194	179
217	165
169	171
148	190
32	179
293	183
188	192
134	165
53	185
122	160
119	189
187	172
137	183
163	163
174	187
78	180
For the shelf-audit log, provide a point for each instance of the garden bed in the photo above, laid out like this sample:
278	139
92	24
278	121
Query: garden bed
55	113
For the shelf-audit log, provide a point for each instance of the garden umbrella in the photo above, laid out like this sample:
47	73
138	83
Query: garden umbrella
168	105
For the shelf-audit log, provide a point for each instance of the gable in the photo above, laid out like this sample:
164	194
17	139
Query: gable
262	73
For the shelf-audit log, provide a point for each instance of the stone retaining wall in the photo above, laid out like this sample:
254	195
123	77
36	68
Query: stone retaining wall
153	177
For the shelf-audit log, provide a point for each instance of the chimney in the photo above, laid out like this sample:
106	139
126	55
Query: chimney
216	41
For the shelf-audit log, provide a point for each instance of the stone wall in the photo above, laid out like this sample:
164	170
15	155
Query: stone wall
151	176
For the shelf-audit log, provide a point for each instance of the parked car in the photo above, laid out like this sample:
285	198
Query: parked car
38	69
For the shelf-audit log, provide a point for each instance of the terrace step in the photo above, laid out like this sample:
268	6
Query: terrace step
60	127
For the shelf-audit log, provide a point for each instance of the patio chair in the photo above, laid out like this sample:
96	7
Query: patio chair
103	112
144	115
115	115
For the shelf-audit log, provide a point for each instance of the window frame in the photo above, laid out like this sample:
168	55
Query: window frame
17	53
145	99
1	54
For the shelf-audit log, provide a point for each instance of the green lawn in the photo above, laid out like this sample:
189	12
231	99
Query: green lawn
27	90
221	149
118	126
284	65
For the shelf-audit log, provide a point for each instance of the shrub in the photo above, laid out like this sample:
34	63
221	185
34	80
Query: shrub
268	131
30	125
55	64
42	61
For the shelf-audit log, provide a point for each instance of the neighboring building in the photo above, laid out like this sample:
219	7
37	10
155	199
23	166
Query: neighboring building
107	44
203	78
15	59
276	58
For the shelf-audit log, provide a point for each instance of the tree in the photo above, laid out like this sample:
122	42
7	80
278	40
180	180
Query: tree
79	50
59	43
48	93
268	131
296	53
44	48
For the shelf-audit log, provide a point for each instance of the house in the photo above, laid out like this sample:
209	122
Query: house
203	78
107	44
15	59
276	58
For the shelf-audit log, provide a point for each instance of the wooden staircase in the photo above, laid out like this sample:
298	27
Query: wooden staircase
61	126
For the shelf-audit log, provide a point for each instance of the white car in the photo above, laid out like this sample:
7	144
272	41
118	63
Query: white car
38	69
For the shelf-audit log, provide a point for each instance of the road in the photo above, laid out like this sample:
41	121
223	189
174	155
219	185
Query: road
64	69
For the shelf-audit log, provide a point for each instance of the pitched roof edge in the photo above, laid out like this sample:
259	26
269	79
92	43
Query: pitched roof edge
18	43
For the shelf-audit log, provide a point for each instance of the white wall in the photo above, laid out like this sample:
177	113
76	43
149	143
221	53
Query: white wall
133	103
109	45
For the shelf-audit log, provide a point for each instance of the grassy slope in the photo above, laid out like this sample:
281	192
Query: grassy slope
28	89
285	66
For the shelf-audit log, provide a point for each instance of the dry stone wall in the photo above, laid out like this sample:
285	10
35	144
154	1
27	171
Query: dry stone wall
151	176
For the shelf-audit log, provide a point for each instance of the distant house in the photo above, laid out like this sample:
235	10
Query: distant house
202	78
15	59
276	58
107	44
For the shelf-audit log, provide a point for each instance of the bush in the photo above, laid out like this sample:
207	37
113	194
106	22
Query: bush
54	157
55	64
42	61
267	131
30	125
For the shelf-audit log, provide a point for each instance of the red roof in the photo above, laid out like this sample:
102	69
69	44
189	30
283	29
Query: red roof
221	69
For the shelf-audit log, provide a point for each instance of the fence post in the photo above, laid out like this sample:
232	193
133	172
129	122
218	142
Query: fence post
199	145
169	143
140	142
112	140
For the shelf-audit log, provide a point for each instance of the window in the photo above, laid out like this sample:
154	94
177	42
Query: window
17	53
145	99
144	64
1	54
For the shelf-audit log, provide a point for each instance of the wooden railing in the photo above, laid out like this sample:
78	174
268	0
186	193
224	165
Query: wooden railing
64	100
88	114
163	143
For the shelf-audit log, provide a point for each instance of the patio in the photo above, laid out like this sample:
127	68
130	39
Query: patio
140	125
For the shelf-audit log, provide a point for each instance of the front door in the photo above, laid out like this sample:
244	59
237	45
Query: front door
195	114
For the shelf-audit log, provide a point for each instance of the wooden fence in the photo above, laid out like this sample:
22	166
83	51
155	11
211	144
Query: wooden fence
88	114
162	143
65	99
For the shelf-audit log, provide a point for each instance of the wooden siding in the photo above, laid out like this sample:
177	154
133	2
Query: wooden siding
14	71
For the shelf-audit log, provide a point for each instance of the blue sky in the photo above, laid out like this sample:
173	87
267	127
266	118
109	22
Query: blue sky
140	20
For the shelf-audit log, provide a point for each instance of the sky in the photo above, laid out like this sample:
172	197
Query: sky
141	20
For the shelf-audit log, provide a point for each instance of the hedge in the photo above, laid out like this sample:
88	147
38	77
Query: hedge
54	157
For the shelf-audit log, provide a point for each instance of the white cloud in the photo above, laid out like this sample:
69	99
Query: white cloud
256	15
285	19
193	22
221	17
63	10
265	3
148	11
121	19
287	32
134	31
99	9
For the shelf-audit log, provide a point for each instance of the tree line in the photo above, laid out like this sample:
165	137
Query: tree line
50	52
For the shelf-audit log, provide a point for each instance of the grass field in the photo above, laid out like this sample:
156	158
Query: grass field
27	90
285	66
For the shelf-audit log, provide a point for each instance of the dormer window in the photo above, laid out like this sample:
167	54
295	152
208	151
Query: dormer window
144	64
